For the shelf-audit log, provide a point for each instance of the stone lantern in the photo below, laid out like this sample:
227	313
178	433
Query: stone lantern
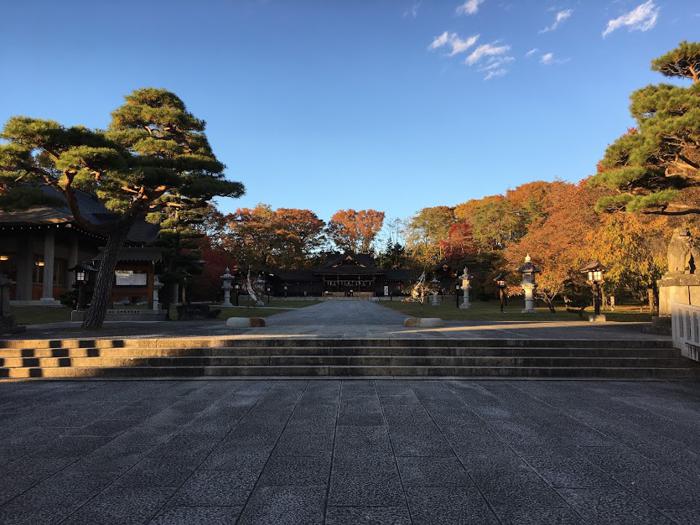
435	292
227	279
466	285
157	285
594	272
528	271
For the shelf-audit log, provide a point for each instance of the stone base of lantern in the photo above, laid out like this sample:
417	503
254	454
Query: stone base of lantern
600	318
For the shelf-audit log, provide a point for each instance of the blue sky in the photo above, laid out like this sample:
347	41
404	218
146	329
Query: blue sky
340	104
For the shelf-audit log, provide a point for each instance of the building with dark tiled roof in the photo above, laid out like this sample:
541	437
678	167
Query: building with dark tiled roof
343	275
39	246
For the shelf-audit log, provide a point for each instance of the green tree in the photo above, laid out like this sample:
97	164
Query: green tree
393	256
655	167
182	231
496	221
154	155
426	230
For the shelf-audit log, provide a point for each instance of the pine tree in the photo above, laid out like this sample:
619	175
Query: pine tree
655	167
153	156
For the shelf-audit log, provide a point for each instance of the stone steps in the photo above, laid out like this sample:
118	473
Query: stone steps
269	357
351	371
250	351
227	342
332	361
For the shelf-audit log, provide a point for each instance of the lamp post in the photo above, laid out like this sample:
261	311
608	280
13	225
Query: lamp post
466	286
82	276
238	291
502	295
528	284
594	273
226	287
457	288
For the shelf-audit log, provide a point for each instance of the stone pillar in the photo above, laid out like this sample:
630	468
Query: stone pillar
72	260
25	267
529	290
49	249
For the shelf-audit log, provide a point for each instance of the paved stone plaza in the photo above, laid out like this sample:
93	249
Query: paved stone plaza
350	452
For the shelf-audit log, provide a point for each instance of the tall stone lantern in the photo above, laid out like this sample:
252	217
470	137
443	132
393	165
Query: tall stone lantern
466	285
157	285
529	284
227	279
435	292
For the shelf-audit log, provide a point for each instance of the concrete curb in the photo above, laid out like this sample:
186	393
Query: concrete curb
245	322
424	322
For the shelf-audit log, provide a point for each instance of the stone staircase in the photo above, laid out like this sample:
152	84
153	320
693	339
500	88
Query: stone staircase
226	357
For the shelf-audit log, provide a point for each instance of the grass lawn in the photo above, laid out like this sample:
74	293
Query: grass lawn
489	311
40	314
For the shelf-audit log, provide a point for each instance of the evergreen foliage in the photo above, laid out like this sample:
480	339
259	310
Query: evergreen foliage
153	156
652	167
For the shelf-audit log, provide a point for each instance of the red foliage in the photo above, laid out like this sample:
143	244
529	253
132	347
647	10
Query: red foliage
459	243
207	285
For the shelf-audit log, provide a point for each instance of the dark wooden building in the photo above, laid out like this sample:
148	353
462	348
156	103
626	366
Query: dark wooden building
342	275
40	245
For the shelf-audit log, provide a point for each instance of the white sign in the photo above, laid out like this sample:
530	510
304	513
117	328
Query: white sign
130	278
386	290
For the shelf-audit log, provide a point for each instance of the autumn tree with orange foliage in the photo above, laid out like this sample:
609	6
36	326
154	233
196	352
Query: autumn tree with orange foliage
633	250
355	231
261	237
557	242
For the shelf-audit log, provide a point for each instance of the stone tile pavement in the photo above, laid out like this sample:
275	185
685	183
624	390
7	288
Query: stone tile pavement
349	452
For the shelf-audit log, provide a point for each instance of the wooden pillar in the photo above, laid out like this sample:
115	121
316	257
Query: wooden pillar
49	250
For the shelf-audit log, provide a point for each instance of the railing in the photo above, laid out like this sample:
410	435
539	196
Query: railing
685	322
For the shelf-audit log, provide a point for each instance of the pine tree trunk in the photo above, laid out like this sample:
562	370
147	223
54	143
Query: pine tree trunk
101	296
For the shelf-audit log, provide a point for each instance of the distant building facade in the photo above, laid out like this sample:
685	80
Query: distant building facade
342	275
